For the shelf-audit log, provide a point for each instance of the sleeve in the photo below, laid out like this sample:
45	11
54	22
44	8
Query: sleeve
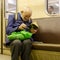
9	28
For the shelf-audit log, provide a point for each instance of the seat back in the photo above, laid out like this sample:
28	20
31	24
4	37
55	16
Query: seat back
49	30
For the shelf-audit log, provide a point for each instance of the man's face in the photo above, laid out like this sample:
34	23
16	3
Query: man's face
50	10
26	16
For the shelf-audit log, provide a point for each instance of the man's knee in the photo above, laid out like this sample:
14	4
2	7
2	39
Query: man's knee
16	42
27	42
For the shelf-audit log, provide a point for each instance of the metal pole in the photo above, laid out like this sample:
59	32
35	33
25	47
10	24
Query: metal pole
1	26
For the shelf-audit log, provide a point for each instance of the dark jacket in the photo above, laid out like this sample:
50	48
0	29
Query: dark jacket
13	24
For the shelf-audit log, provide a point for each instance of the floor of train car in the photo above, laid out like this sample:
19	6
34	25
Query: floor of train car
4	57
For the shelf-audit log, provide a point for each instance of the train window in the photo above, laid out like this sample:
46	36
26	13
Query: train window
53	6
10	7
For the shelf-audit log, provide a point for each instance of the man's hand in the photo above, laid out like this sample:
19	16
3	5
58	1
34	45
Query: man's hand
22	26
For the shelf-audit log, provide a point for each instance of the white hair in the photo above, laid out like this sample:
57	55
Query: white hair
26	9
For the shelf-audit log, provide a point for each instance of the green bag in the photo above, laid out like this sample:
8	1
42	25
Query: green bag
22	35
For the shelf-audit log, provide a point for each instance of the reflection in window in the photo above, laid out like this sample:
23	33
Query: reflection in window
53	6
10	7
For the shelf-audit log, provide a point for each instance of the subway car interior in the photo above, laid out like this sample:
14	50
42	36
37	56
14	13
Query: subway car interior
46	13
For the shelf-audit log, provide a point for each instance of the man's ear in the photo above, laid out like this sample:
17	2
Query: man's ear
21	11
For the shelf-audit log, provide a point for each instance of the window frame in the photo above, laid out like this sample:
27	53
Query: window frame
7	13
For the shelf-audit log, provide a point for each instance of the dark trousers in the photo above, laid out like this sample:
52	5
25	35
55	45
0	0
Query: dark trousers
22	49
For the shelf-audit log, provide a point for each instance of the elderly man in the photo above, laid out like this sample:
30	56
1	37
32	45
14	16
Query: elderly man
20	48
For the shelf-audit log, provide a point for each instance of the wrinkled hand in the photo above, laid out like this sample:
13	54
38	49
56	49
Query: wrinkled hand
22	26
